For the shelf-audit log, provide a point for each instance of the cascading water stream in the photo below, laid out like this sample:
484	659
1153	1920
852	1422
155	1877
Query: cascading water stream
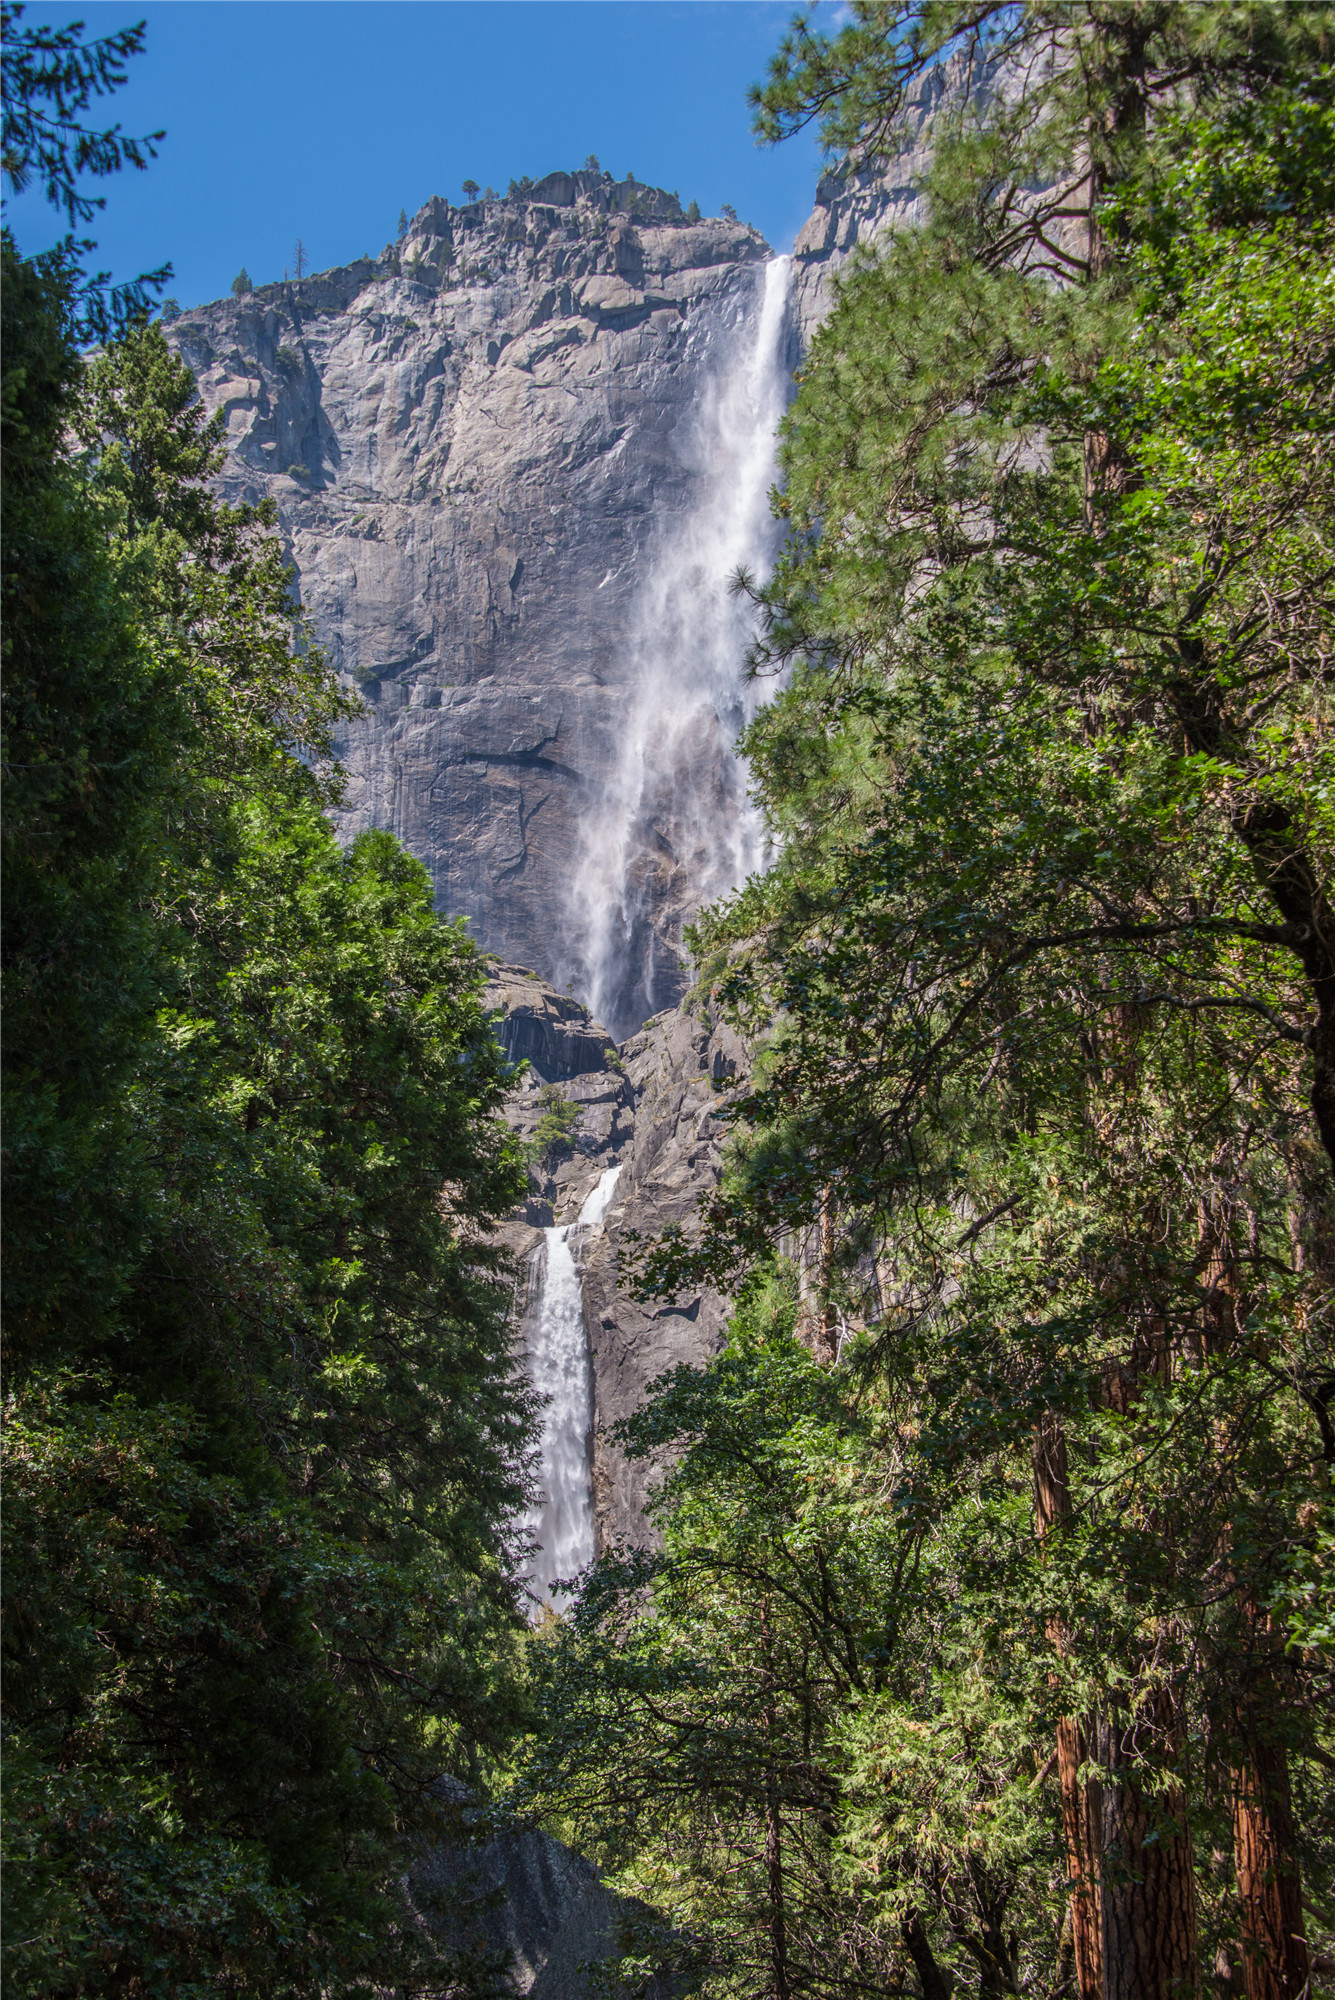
675	828
558	1363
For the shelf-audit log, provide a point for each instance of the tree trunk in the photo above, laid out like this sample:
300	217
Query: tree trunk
1275	1963
778	1930
817	1327
1081	1805
1285	869
1274	1944
930	1976
1148	1889
778	1935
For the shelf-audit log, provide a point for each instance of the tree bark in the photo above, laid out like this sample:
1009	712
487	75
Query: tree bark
817	1326
1148	1889
1275	1962
1286	871
930	1976
1081	1804
778	1934
778	1930
1274	1944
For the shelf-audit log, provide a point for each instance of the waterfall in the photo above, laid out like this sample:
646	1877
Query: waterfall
558	1362
675	828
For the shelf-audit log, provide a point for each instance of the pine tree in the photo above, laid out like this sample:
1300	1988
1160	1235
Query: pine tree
1039	1107
264	1432
241	283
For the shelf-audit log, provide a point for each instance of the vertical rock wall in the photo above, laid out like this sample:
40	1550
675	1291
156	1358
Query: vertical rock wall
469	440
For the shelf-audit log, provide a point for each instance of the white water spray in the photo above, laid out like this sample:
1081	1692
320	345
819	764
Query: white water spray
675	828
558	1362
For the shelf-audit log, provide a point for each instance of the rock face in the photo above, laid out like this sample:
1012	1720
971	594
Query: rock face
530	1902
483	445
653	1108
472	441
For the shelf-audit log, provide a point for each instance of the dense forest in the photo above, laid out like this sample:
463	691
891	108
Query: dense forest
988	1647
265	1437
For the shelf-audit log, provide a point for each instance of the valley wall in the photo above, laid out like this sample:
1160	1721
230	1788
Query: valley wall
494	451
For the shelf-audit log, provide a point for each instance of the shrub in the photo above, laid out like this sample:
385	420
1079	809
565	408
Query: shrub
551	1139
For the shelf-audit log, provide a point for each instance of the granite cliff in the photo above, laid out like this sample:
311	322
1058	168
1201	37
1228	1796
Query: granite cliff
653	1107
477	441
516	458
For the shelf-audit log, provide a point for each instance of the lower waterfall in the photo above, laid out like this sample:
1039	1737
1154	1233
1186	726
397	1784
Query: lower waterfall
558	1363
675	828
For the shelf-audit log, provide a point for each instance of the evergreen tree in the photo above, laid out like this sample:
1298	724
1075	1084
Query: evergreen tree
1043	1102
265	1435
241	283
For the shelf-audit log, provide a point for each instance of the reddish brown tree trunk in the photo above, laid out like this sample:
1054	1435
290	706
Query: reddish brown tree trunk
1274	1943
1148	1883
1275	1962
1081	1804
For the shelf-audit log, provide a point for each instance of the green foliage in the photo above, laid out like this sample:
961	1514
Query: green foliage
241	283
551	1139
722	1718
693	211
266	1440
47	77
1047	1099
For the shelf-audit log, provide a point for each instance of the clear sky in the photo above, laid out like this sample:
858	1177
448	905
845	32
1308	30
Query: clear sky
322	118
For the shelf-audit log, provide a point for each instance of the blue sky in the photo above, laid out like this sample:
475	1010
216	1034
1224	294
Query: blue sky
322	118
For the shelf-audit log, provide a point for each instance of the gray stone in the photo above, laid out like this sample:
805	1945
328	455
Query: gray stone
657	1115
469	440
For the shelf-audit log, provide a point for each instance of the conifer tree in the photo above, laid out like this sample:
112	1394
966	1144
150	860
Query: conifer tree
265	1438
1041	1108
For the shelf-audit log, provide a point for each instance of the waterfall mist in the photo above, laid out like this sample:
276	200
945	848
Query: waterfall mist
674	828
559	1366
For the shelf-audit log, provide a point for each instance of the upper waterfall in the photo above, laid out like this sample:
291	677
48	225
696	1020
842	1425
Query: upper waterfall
675	803
516	458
